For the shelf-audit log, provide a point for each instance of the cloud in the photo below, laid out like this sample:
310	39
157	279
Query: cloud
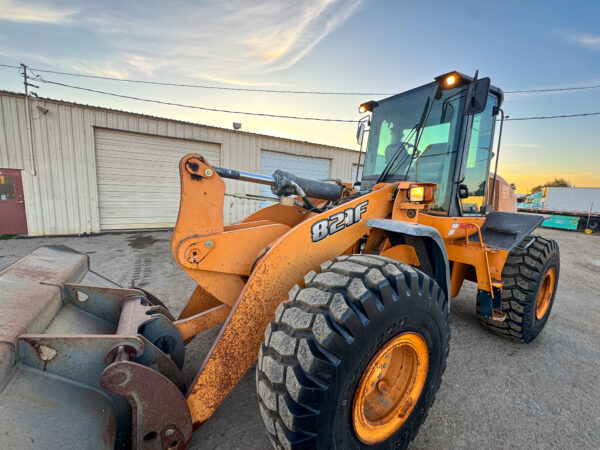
16	11
294	29
237	39
210	77
588	41
83	66
230	41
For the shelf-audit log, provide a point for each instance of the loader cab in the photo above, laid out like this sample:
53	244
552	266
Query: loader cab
442	133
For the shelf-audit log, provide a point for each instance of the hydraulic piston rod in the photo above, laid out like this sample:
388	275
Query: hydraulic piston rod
233	174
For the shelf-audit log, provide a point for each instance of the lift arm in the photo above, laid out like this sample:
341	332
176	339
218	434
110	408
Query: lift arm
280	260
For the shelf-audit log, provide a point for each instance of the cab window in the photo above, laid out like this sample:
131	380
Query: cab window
478	158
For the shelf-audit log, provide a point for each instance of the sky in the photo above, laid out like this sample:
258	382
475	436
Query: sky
370	46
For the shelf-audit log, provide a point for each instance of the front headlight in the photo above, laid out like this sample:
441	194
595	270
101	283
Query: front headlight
416	194
421	193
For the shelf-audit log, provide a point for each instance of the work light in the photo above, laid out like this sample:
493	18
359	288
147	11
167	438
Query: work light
421	193
368	106
451	80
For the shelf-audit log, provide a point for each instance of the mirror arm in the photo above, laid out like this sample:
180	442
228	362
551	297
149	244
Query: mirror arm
358	166
366	119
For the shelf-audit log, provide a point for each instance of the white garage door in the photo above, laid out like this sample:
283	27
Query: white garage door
138	177
302	166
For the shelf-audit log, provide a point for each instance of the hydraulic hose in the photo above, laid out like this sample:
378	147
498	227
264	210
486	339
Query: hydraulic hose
287	183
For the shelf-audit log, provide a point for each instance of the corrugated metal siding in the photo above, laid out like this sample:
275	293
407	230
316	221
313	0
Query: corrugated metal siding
138	177
63	197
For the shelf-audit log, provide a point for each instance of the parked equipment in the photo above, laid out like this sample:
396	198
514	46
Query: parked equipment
569	208
341	293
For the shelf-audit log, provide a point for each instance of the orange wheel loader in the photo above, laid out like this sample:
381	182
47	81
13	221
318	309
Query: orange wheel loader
339	293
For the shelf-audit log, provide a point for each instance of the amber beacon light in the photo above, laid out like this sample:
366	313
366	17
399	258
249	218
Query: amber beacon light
450	80
368	106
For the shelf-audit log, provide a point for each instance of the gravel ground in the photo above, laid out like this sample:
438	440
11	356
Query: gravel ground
496	393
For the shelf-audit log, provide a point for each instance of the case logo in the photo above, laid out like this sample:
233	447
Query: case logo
337	222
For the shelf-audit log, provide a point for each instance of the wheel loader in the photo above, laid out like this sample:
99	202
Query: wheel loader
340	293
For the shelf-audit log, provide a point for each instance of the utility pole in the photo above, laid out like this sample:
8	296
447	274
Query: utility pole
28	118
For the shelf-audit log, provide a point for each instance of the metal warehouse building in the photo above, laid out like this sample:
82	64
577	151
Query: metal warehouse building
91	169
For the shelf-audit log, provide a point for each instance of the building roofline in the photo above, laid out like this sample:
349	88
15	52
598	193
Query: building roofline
149	116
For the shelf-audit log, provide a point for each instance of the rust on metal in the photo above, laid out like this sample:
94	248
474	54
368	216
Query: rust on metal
251	266
190	327
283	265
195	253
135	312
389	388
201	300
160	417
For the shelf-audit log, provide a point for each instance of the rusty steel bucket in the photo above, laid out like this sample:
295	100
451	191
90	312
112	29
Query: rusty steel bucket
85	363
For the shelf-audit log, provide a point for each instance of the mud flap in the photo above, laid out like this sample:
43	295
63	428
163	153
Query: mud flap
490	306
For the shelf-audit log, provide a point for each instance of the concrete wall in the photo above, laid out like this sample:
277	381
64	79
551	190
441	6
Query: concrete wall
62	198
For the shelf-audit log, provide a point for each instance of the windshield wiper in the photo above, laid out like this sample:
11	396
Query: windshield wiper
387	169
416	152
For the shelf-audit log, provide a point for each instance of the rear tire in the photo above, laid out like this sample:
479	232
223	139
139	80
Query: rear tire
523	278
594	225
322	340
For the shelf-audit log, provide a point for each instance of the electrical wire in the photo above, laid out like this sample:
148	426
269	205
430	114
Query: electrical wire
277	116
571	88
203	108
203	86
276	91
561	116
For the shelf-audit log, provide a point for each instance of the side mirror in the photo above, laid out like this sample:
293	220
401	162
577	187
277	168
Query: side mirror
477	95
360	133
463	191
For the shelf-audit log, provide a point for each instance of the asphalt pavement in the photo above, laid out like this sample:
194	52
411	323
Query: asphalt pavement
496	393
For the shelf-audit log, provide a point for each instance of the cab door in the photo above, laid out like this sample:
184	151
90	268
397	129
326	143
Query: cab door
477	159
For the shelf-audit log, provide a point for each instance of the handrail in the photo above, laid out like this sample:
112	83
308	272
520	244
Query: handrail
483	246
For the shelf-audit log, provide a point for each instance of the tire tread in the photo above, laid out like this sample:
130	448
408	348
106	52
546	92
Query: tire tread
520	276
297	359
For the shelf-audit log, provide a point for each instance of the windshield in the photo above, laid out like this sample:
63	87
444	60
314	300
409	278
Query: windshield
394	135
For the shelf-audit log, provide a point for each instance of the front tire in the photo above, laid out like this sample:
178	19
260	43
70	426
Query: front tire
529	281
325	355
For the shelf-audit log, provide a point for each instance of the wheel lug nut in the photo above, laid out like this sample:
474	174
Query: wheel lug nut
382	386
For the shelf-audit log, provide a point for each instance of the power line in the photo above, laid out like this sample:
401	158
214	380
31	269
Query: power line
562	116
278	116
203	108
278	91
203	86
573	88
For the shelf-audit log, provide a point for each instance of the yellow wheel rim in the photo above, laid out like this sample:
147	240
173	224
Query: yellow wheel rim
390	387
545	294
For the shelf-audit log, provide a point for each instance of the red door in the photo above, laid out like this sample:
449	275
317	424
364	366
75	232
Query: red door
12	204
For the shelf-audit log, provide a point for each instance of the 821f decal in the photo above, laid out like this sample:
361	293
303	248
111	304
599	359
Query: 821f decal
337	222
